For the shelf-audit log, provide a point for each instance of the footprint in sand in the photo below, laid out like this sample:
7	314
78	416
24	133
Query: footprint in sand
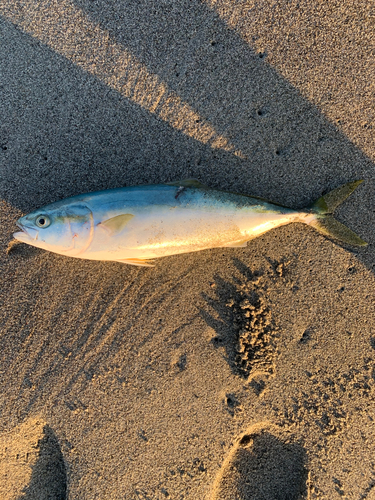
265	464
31	463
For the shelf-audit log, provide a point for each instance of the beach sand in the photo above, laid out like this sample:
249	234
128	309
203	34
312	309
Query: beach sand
229	374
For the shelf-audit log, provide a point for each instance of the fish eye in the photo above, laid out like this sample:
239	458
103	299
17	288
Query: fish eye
42	221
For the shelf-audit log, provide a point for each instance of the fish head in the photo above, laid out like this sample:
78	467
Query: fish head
64	228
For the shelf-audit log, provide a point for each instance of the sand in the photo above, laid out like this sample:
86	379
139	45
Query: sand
227	374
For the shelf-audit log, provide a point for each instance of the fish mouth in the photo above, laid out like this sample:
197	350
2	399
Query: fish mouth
27	234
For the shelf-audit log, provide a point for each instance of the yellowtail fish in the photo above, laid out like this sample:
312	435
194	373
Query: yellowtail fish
138	224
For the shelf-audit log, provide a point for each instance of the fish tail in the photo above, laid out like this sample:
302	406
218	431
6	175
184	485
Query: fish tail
324	221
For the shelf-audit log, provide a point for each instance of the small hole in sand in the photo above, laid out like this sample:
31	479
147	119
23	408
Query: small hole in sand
305	336
245	440
230	402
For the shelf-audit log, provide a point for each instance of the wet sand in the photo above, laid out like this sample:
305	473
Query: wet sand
229	374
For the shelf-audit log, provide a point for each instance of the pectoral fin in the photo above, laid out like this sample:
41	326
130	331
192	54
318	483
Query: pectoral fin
138	262
187	183
116	224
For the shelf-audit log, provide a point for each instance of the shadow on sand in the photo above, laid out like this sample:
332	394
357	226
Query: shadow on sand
263	466
48	479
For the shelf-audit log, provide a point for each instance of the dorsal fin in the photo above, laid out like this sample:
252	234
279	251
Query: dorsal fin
192	183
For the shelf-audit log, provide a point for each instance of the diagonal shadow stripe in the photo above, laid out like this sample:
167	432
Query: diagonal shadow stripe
324	49
67	30
200	48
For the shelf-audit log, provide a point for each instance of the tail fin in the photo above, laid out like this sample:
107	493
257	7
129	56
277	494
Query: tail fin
326	224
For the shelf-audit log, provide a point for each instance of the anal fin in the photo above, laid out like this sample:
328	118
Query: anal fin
239	244
137	262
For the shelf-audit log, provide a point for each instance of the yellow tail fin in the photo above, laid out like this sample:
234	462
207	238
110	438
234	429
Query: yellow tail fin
326	224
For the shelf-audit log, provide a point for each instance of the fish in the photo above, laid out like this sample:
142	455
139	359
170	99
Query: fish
138	224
